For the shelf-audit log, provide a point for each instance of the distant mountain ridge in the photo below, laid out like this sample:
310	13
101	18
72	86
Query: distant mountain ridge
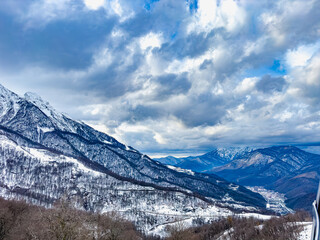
285	169
205	162
45	154
268	164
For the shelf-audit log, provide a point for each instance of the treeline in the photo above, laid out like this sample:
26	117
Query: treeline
235	228
21	221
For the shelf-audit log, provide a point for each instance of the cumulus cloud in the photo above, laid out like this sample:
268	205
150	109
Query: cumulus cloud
214	14
300	56
171	75
306	82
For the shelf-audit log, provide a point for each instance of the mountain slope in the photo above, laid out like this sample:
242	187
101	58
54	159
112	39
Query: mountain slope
45	154
284	169
41	176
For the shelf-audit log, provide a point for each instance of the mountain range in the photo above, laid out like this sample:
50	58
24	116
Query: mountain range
284	169
45	155
206	162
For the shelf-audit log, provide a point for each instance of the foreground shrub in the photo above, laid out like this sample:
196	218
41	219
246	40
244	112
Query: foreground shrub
20	221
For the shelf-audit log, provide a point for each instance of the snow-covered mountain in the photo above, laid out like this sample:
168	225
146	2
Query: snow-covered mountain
45	154
205	162
285	169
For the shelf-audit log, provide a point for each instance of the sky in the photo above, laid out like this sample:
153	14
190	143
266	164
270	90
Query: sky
171	76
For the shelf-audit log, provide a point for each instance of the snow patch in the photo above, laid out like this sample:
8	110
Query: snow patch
233	187
177	169
255	215
107	142
45	129
305	234
44	156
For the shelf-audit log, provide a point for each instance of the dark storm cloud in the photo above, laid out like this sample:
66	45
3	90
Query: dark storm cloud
254	103
61	44
203	110
205	64
269	84
141	112
110	82
193	45
303	26
172	84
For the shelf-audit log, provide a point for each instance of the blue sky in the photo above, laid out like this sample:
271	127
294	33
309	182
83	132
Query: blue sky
171	76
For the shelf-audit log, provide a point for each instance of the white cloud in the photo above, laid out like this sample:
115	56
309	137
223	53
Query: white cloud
102	59
228	14
310	126
120	8
273	26
232	15
154	65
299	57
116	7
255	47
216	130
246	85
159	138
286	21
207	13
190	64
94	4
307	77
151	40
284	116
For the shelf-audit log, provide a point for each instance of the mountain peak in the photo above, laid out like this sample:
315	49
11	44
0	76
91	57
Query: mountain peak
44	106
35	98
8	102
6	93
56	117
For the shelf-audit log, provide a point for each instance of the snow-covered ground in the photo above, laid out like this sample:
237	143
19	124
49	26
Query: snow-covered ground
187	171
275	200
207	215
306	232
